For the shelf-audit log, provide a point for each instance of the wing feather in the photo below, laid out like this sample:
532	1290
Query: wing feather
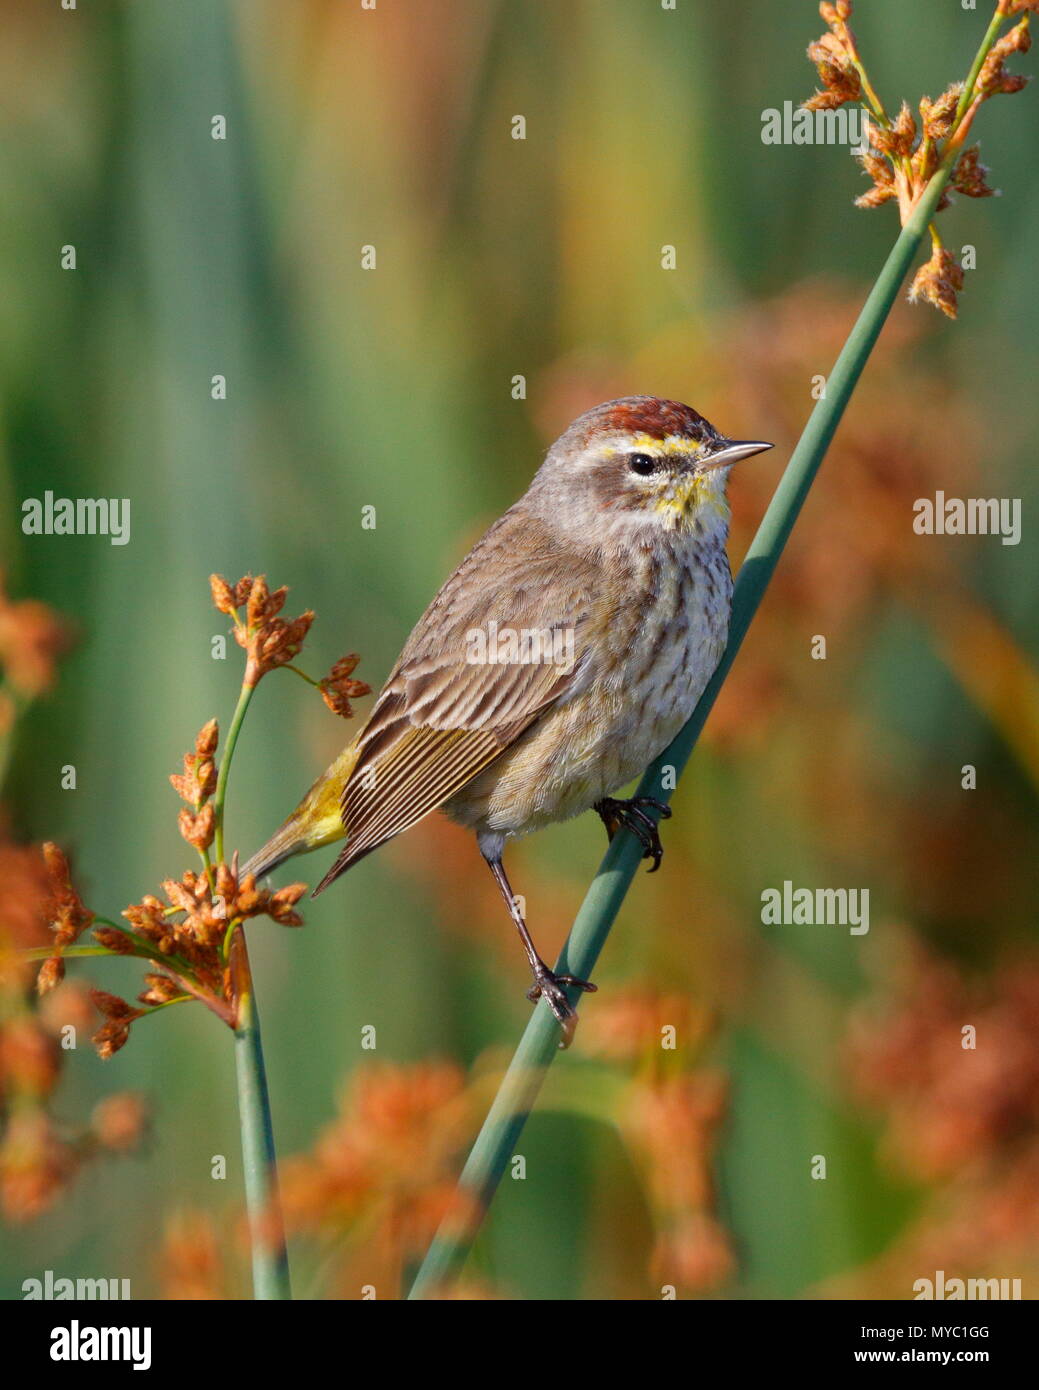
443	717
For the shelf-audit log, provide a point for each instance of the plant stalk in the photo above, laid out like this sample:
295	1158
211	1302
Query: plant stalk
497	1139
245	695
991	34
259	1159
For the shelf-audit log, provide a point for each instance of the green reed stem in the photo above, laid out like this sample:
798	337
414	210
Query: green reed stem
245	695
270	1261
991	34
512	1104
259	1156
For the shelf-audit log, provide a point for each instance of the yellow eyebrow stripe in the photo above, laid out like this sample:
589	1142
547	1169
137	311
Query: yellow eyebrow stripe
671	444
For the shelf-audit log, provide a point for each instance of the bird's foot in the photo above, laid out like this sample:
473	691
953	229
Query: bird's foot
614	813
547	983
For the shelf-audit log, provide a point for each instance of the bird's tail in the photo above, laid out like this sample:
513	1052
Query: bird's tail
316	821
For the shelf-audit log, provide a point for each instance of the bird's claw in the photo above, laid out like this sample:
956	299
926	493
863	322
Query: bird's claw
548	984
629	813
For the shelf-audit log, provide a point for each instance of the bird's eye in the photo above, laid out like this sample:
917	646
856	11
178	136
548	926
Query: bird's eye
643	464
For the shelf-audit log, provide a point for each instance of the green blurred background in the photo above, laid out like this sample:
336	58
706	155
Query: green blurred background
392	388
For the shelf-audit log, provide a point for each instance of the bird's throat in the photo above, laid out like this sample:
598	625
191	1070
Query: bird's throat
692	503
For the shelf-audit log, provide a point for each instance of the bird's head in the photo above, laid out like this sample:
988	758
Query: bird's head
638	464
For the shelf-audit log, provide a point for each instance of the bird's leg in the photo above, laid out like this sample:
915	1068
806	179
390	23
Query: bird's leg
546	981
614	814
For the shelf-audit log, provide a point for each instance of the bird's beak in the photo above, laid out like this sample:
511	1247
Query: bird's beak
732	450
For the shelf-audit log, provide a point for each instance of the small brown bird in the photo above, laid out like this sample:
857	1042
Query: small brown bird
564	653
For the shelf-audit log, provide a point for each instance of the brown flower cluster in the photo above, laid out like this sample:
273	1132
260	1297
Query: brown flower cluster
994	77
32	637
383	1170
189	933
964	1120
672	1128
337	689
191	1266
904	154
938	282
903	157
196	785
970	176
639	1025
40	1155
670	1117
186	933
381	1177
836	61
269	641
69	917
952	1064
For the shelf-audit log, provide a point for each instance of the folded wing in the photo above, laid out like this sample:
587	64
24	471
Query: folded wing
448	709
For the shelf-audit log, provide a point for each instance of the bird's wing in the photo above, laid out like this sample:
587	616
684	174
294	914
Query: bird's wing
444	714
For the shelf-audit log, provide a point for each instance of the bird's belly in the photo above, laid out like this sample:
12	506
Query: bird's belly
591	745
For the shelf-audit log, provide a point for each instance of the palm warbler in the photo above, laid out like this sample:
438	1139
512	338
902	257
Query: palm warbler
564	653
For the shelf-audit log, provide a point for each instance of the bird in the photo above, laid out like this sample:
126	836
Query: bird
559	659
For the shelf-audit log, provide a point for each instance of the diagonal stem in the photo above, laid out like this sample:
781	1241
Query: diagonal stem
991	34
497	1139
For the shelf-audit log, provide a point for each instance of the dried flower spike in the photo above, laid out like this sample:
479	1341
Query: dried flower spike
70	917
198	829
114	1034
969	177
197	783
337	689
994	78
900	160
224	598
936	117
119	1121
837	72
32	637
938	281
269	641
